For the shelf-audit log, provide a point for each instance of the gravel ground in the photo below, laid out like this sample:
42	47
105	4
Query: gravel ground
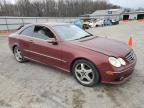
32	85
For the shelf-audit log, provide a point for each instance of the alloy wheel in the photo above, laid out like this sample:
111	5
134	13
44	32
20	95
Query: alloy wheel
18	54
84	73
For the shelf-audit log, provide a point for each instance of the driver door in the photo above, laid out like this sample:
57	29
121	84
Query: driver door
44	51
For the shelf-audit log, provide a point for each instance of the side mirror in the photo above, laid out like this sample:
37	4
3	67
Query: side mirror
52	40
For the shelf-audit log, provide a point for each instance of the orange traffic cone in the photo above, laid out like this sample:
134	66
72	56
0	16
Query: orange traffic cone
130	41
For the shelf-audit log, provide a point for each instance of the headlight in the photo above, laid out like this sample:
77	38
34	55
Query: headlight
122	61
116	62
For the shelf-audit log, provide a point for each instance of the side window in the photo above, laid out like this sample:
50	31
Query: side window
28	31
42	32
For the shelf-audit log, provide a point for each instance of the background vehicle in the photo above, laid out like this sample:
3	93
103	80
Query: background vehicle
107	22
82	24
92	24
114	22
78	23
99	22
85	25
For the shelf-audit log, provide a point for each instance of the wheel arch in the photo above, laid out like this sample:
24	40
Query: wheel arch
14	47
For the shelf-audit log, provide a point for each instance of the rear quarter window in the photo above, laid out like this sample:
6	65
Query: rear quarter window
28	31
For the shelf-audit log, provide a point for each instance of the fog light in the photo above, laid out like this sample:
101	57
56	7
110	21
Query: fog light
121	78
109	72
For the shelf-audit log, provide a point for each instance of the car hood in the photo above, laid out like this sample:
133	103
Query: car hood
106	46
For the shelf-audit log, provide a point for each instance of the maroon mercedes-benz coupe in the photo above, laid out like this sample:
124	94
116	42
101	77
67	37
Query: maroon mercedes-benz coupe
91	59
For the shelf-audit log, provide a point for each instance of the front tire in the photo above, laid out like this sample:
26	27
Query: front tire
85	73
18	55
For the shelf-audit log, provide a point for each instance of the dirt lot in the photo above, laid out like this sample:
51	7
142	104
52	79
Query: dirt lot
32	85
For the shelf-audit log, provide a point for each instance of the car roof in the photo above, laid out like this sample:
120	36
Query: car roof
55	24
49	24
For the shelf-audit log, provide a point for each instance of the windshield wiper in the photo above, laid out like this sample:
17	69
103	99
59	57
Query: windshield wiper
86	36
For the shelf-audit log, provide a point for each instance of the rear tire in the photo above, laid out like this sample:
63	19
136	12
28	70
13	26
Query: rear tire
85	73
18	55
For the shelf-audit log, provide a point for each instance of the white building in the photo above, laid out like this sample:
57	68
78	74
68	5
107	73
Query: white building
133	15
118	14
110	13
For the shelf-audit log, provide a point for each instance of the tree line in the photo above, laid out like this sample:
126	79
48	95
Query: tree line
52	8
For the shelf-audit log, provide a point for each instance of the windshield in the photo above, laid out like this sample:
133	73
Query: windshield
70	32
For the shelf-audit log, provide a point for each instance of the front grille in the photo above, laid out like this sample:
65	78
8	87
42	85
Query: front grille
130	56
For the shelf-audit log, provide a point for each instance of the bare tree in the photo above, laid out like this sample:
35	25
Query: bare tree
52	8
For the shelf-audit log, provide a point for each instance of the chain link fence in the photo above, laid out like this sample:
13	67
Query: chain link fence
12	23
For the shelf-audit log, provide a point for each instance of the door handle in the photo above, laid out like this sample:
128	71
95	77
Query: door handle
31	41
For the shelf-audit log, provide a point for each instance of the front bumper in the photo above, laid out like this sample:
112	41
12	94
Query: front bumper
119	77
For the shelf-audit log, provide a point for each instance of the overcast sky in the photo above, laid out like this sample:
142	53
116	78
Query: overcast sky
123	3
129	3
